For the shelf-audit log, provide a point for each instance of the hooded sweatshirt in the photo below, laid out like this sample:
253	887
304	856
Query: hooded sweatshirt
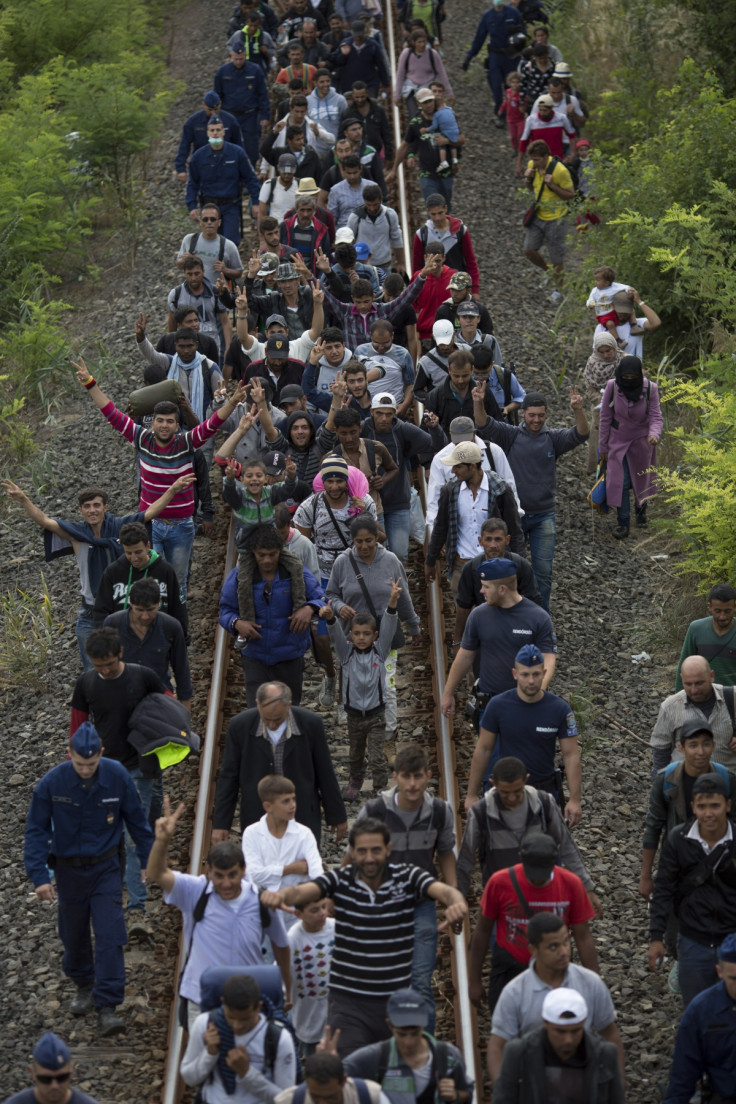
326	112
317	379
114	589
308	459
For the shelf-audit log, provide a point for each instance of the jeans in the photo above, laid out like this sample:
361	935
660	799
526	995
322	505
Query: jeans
290	671
82	629
137	892
174	543
623	512
437	185
396	524
425	954
540	531
696	967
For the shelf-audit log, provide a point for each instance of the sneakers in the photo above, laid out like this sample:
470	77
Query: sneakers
342	717
556	298
108	1023
327	692
620	532
138	926
443	166
353	788
82	1003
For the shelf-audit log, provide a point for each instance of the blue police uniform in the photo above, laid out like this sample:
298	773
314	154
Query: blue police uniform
244	94
194	135
706	1043
220	175
80	823
498	24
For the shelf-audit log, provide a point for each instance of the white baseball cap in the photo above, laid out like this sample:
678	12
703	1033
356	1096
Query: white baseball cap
443	331
564	1007
384	400
344	234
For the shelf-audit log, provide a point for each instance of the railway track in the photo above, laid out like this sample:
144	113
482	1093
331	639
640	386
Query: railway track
465	1027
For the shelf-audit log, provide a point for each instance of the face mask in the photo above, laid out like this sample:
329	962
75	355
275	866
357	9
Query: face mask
216	142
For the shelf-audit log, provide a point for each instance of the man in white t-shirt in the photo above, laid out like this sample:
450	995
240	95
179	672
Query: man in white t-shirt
646	323
278	195
221	911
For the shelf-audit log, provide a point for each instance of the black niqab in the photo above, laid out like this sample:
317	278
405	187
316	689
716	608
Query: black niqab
629	377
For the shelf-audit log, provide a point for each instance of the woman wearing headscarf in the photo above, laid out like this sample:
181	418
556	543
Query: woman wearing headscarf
631	425
602	363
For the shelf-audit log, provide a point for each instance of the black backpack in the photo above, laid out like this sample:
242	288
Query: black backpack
478	811
194	238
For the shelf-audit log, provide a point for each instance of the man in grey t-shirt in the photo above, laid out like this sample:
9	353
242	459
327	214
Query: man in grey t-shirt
519	1008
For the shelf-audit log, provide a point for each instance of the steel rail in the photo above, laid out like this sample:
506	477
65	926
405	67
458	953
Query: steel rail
208	764
465	1018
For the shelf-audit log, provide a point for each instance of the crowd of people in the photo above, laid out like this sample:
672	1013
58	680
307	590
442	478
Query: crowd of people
288	380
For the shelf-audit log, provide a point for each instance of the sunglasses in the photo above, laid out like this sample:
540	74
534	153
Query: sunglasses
47	1078
209	220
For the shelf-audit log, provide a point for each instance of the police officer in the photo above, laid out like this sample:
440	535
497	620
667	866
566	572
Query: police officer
82	806
217	174
502	24
706	1036
194	131
52	1070
241	86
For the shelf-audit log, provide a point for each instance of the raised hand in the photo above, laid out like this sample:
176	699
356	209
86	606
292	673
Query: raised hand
166	824
83	372
576	399
322	261
140	326
396	589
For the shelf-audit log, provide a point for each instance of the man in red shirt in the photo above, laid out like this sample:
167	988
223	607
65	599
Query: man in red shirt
549	124
434	293
510	899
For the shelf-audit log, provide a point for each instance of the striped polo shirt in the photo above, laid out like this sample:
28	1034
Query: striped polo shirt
374	929
162	465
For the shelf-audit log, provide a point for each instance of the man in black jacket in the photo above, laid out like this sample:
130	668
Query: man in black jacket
560	1055
138	561
277	738
697	875
453	398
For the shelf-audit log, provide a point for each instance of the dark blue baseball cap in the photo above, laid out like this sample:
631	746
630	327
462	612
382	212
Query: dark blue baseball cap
491	571
211	99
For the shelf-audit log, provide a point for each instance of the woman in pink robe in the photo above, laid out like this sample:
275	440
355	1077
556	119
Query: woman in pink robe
631	425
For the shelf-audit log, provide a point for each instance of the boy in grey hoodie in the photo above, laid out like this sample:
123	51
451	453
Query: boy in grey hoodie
362	656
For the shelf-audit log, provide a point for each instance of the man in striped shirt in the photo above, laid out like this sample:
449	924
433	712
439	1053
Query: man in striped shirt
374	938
164	454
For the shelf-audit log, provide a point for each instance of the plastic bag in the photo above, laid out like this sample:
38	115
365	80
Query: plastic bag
417	524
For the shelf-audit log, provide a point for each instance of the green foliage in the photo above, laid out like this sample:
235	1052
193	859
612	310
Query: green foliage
27	638
36	351
651	201
16	441
701	490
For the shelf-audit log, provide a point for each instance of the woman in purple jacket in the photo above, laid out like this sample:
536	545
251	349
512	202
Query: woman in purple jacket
631	425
